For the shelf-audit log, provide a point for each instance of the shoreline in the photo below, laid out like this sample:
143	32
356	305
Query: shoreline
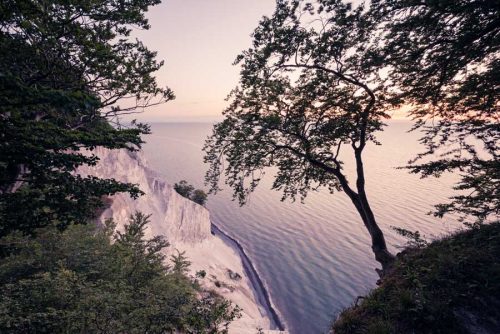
258	286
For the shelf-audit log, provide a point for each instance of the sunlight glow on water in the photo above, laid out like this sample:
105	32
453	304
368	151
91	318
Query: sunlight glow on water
315	257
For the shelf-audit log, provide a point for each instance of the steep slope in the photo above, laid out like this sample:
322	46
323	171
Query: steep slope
450	286
187	227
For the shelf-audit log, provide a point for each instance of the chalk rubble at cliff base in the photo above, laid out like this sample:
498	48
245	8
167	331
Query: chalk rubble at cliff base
187	227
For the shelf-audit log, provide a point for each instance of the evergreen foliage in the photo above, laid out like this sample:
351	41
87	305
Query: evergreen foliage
78	281
67	68
181	263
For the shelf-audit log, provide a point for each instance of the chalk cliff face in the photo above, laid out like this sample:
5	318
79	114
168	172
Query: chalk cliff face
172	215
186	225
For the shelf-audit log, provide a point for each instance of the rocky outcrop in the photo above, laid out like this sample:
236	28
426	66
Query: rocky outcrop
187	227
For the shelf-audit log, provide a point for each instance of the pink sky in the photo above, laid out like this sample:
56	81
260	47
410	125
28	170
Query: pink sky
199	40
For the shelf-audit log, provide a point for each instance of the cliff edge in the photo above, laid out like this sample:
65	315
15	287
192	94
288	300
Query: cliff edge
187	227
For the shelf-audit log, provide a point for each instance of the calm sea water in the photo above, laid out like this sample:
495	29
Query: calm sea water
315	257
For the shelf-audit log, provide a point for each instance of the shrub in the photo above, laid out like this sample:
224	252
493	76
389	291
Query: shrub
186	190
199	196
78	281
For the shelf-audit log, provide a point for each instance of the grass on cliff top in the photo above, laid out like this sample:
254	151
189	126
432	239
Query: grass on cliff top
450	286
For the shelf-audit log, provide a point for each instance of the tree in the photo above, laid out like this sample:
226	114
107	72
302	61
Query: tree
199	196
184	189
443	56
68	69
78	281
214	313
181	263
309	97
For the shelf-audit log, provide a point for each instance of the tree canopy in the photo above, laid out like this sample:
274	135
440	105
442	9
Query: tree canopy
79	281
183	188
444	58
67	69
186	190
310	97
320	77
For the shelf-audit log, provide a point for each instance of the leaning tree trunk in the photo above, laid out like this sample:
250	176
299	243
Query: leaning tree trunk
360	200
379	247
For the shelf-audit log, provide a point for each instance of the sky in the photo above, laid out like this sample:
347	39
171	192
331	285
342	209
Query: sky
199	40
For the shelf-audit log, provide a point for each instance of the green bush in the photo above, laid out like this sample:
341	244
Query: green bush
435	288
186	190
199	196
79	281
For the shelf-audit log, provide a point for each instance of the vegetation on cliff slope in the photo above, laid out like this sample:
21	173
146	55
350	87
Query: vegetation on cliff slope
450	286
186	190
68	68
78	281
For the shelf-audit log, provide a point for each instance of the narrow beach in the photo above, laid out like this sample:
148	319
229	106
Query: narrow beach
258	286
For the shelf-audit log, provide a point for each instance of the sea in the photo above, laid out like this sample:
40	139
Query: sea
313	257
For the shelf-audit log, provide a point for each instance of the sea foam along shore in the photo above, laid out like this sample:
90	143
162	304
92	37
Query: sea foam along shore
262	294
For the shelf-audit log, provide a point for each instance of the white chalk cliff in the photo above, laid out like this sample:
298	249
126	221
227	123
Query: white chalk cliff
187	227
